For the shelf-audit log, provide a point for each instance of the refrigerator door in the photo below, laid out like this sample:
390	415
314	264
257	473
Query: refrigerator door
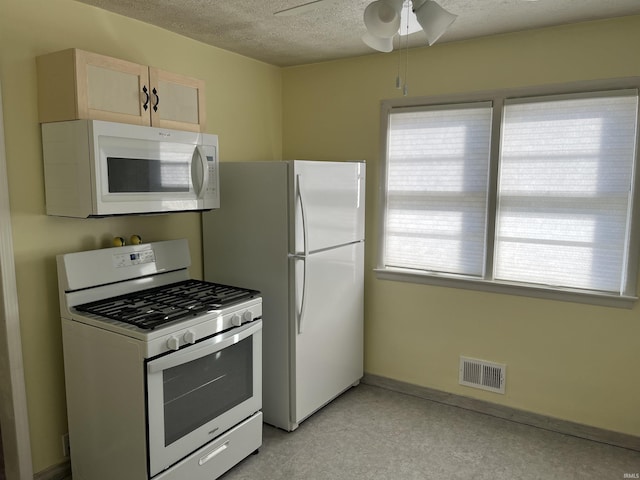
328	326
329	204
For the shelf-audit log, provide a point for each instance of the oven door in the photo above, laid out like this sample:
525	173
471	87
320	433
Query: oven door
197	393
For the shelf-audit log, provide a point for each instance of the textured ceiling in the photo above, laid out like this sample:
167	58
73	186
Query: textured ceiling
333	28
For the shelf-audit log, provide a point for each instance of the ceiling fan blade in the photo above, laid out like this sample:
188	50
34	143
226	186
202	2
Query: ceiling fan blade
305	7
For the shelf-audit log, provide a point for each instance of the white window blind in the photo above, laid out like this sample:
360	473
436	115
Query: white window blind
531	191
564	194
437	180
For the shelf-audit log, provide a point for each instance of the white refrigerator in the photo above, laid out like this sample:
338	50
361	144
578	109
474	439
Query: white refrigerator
295	231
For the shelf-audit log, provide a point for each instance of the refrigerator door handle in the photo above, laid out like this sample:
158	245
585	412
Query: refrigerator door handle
305	228
300	313
303	258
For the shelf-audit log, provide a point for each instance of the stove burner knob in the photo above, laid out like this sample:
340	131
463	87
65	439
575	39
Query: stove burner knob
236	320
173	343
247	316
190	337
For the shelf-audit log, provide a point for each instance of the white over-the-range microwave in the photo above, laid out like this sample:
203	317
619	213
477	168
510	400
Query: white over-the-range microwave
95	168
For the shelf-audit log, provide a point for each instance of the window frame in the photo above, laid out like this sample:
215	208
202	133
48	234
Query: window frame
488	283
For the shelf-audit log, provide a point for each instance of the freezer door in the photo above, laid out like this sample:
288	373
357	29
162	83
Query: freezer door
329	204
328	326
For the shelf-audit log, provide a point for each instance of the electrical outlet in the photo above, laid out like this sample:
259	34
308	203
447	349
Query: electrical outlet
66	448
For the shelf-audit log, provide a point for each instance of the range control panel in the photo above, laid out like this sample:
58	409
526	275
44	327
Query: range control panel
133	258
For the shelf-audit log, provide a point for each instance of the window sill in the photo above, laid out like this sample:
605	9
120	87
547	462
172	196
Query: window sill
535	291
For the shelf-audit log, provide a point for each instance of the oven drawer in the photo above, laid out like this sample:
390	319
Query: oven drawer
217	457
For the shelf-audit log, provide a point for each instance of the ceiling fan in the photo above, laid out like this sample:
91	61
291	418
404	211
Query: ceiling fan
385	19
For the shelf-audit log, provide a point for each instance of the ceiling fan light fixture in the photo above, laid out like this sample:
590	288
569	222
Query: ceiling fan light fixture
382	18
433	19
381	44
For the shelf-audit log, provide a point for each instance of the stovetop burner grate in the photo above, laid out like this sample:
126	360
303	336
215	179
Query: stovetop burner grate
151	308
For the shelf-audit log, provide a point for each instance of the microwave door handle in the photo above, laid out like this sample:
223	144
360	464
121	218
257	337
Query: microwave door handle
204	348
199	170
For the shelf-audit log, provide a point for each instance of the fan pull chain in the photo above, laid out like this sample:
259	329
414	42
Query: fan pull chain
398	80
405	88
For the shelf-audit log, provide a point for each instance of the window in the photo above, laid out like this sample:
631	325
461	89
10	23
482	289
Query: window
525	194
437	177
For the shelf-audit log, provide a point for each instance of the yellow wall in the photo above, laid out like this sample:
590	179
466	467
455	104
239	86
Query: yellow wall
243	108
565	360
570	361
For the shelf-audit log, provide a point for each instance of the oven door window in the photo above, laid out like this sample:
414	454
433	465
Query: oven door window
201	390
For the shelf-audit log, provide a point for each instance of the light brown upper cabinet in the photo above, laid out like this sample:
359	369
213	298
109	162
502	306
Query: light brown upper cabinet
75	84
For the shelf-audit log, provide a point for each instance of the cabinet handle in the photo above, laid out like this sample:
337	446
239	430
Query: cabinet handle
155	93
146	102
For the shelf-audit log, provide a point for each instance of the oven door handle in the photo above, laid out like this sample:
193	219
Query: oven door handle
204	348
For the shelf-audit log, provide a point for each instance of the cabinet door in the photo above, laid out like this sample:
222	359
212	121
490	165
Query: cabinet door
111	89
177	101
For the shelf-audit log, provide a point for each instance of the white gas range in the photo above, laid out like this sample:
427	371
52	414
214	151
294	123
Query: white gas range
163	373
